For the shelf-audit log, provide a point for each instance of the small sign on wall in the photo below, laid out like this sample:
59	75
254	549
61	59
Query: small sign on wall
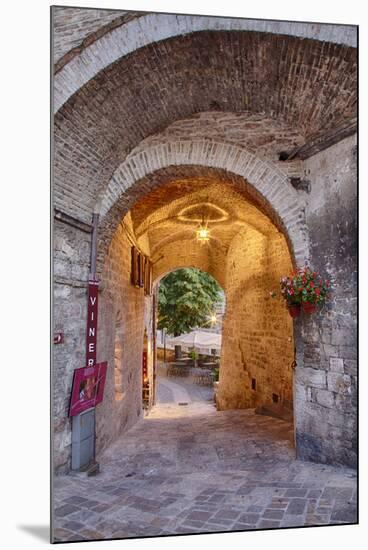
92	312
88	387
59	338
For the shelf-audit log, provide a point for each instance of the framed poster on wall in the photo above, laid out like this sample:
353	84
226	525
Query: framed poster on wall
88	387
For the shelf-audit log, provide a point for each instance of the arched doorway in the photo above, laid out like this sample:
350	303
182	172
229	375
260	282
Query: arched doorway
191	305
247	253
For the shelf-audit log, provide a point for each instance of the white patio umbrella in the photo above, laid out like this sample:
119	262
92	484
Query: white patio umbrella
198	339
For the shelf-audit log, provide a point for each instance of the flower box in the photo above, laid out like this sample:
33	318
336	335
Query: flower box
304	289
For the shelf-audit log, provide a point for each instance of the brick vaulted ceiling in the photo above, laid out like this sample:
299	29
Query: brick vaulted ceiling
164	221
174	201
305	86
172	212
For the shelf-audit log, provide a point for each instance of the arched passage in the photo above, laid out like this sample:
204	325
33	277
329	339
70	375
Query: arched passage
247	254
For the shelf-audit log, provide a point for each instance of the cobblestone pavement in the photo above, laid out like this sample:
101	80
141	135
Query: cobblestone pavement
190	469
177	390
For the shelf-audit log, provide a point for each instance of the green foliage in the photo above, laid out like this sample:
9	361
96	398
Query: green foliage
192	354
186	297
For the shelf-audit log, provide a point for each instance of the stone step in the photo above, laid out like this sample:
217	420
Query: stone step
276	411
93	469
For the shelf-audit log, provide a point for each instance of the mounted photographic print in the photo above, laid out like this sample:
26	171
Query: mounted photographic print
204	374
88	386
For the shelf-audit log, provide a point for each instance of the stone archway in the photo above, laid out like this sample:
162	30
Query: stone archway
154	189
108	116
141	173
130	34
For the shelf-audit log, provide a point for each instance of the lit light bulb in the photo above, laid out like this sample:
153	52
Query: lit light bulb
203	234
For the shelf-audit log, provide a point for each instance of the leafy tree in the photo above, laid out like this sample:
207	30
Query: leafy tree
186	297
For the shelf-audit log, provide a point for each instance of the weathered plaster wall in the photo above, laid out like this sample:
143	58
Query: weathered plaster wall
326	376
257	329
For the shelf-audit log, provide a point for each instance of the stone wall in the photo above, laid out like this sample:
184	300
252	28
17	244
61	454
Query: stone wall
257	133
71	268
326	376
258	332
257	329
124	312
188	253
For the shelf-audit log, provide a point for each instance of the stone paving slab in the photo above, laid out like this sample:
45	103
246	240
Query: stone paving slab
175	389
194	469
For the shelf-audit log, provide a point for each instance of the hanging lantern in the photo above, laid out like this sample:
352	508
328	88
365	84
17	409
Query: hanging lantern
203	233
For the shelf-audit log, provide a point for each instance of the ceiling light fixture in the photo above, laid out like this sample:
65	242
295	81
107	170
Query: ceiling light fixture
202	232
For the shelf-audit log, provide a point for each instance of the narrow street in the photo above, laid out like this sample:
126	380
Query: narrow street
190	469
176	390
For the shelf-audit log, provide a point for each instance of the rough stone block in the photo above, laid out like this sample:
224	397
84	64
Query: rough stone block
311	377
339	383
344	401
343	337
348	352
336	364
330	351
350	367
296	506
325	398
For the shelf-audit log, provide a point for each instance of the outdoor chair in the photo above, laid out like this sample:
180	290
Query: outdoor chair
202	377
